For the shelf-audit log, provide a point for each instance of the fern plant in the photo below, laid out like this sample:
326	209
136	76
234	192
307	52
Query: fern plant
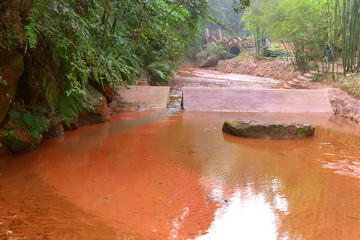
161	71
32	29
51	90
71	102
107	42
30	119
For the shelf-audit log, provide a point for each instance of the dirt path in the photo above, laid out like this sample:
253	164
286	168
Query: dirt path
193	77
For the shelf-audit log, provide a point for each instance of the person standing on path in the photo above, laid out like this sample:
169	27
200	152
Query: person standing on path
327	53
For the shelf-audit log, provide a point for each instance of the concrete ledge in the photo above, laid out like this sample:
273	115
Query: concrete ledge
253	100
148	97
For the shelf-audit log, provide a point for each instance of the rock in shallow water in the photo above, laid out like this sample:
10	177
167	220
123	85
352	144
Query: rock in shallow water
268	130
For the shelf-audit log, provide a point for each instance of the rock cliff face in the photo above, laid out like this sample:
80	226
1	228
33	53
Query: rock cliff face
11	68
268	130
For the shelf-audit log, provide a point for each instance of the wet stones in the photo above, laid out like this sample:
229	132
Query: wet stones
17	140
268	130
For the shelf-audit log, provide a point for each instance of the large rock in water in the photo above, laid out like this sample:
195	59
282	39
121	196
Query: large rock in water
268	130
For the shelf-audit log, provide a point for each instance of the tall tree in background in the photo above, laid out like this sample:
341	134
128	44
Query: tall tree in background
223	12
302	26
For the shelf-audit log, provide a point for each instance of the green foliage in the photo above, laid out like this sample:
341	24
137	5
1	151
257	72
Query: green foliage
51	90
240	5
106	42
72	44
12	33
215	49
276	47
31	119
2	81
223	12
11	134
71	102
352	84
315	77
302	25
32	29
161	71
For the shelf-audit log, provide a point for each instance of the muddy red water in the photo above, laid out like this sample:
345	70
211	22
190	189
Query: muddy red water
154	176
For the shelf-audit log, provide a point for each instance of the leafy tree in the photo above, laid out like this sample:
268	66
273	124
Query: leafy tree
224	13
301	25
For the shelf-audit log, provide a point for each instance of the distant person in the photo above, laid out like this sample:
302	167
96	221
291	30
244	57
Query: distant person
327	53
267	42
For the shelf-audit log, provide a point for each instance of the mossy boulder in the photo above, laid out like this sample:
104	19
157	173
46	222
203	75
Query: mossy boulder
17	140
268	130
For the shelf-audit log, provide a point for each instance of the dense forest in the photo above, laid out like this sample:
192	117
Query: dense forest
306	27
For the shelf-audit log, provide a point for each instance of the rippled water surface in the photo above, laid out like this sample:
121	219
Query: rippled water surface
152	175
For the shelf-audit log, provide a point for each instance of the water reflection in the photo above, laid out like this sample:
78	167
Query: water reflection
244	212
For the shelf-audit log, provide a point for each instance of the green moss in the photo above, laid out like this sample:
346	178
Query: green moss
11	135
276	130
302	131
237	123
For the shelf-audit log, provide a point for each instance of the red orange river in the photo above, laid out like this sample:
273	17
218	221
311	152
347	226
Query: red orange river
151	175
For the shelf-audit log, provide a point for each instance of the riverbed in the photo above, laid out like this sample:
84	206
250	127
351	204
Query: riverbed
176	175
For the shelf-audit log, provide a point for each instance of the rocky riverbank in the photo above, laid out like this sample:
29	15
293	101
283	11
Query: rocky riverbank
345	105
280	70
17	135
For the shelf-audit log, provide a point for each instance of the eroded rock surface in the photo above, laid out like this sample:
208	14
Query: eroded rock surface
268	130
11	69
344	104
